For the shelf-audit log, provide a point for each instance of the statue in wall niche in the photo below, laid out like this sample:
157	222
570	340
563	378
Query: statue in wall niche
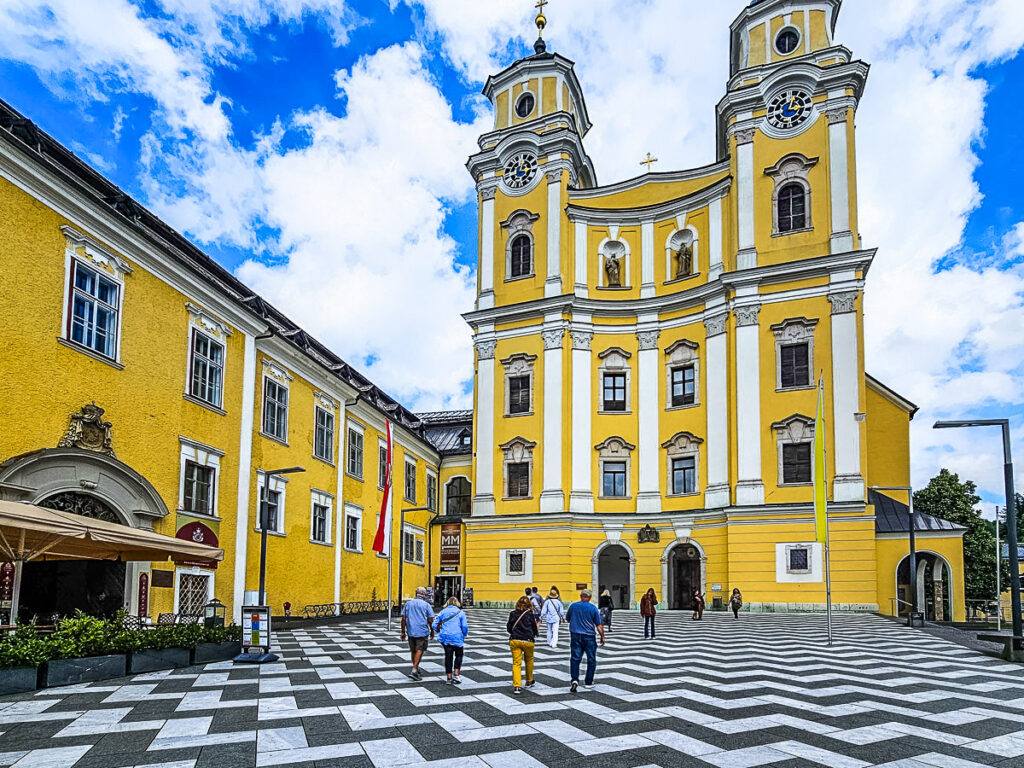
613	270
684	261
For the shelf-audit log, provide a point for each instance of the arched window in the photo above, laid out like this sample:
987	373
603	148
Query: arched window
522	257
458	498
792	208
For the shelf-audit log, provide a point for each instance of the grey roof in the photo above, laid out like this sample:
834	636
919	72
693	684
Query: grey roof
445	417
446	429
892	516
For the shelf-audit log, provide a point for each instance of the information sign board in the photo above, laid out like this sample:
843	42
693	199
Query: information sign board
256	628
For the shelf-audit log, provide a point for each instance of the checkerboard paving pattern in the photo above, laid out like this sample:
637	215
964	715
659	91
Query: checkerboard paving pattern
761	691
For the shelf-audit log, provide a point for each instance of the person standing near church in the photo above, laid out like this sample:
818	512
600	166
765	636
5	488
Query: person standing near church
647	610
584	625
553	614
606	606
416	617
736	602
522	634
452	629
698	604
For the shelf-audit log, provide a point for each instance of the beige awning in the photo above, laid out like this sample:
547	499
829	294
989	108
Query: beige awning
28	532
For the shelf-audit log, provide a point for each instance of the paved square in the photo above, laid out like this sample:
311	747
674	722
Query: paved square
761	691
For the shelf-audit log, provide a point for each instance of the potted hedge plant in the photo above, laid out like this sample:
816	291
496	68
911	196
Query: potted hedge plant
22	652
81	650
218	644
159	648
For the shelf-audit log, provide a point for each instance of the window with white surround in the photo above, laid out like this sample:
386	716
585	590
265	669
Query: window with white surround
798	559
791	199
354	464
458	497
93	296
515	566
275	502
616	381
614	464
799	563
410	480
794	353
382	464
193	589
518	468
199	468
353	528
275	401
321	513
431	491
207	352
519	247
795	442
519	384
682	452
412	545
682	372
323	430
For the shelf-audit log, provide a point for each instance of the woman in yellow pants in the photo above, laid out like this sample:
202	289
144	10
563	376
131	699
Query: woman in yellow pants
522	632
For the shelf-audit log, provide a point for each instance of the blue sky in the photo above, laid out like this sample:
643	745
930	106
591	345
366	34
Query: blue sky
317	149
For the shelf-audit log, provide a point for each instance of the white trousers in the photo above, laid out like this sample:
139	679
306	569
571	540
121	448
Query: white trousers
553	634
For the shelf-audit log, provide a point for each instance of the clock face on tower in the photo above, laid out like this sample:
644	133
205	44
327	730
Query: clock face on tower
789	109
520	170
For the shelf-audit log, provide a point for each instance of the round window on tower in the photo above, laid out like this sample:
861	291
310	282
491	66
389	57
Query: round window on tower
525	105
787	41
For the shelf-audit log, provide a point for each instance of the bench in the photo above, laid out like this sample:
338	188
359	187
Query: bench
1009	652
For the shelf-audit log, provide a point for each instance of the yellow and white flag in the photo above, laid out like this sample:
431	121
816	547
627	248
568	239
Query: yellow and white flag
820	475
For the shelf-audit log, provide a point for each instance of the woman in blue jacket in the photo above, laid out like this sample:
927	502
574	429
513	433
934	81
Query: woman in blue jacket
452	628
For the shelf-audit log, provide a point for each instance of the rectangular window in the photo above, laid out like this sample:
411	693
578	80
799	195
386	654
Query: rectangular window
519	481
796	463
93	320
275	410
207	369
410	482
684	386
519	394
614	394
318	528
799	560
419	551
796	369
323	442
412	547
431	492
198	488
273	511
516	563
355	453
614	480
684	475
352	532
382	466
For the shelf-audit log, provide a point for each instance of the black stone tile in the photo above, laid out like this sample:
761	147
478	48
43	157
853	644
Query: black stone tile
227	756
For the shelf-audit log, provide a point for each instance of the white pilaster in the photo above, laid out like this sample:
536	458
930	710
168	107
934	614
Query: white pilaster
718	494
647	288
581	498
839	181
339	500
715	249
648	500
581	259
848	484
553	285
483	483
749	485
242	521
746	258
485	300
552	498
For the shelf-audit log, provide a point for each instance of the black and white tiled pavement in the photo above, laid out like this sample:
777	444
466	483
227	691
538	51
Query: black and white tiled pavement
762	691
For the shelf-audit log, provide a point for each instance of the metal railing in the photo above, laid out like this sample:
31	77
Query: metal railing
330	610
988	611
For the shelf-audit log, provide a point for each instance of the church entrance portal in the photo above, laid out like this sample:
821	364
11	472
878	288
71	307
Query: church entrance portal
613	575
683	576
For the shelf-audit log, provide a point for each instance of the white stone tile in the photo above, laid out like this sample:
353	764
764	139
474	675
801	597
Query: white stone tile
308	754
936	760
385	753
749	757
175	764
610	744
515	759
681	743
1010	745
275	739
62	757
817	755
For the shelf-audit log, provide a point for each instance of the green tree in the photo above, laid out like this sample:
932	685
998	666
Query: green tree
948	498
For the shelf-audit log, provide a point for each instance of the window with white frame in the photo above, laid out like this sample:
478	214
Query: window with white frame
795	440
323	438
410	481
516	563
519	261
431	491
794	353
271	504
518	468
353	528
615	377
206	382
683	453
412	546
321	506
93	320
682	370
798	559
614	459
193	589
275	409
791	199
354	465
382	464
519	384
199	467
459	497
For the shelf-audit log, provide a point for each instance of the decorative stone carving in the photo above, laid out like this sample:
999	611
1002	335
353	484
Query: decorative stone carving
207	322
648	339
554	177
519	364
715	326
488	190
325	401
745	135
275	371
582	339
648	535
747	315
88	431
843	303
794	329
80	504
485	349
553	338
837	115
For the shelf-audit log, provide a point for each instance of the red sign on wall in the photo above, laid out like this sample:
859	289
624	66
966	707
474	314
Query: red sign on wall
143	594
200	534
451	547
6	581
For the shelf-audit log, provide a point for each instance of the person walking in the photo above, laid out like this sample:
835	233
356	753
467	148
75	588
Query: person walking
647	610
537	602
698	604
553	614
522	634
736	602
416	617
584	623
452	629
605	605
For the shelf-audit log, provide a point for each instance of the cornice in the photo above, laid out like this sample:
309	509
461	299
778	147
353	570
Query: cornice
483	165
657	212
651	178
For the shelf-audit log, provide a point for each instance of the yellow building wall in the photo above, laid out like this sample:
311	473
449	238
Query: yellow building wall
888	442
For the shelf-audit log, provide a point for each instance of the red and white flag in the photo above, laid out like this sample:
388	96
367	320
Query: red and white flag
382	541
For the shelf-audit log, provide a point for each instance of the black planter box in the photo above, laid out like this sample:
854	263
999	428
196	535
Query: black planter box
153	661
18	680
206	653
73	671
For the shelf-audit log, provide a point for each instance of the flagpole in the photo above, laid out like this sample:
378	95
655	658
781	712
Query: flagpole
828	575
389	590
820	466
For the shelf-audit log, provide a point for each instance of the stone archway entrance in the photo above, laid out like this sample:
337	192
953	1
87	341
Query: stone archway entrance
684	575
613	574
934	587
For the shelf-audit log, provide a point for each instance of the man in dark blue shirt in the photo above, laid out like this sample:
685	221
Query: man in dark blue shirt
584	624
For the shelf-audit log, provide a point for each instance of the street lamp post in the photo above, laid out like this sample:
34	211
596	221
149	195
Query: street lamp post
1011	514
999	586
913	544
401	545
264	513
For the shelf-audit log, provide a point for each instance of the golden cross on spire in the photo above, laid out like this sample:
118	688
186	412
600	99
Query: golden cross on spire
541	20
651	160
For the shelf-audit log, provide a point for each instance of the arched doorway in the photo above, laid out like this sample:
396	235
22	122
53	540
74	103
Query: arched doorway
684	575
934	587
615	574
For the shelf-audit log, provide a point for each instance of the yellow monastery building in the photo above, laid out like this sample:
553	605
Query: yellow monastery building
647	356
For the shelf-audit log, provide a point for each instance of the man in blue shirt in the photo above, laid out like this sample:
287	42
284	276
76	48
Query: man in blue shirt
584	623
416	617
